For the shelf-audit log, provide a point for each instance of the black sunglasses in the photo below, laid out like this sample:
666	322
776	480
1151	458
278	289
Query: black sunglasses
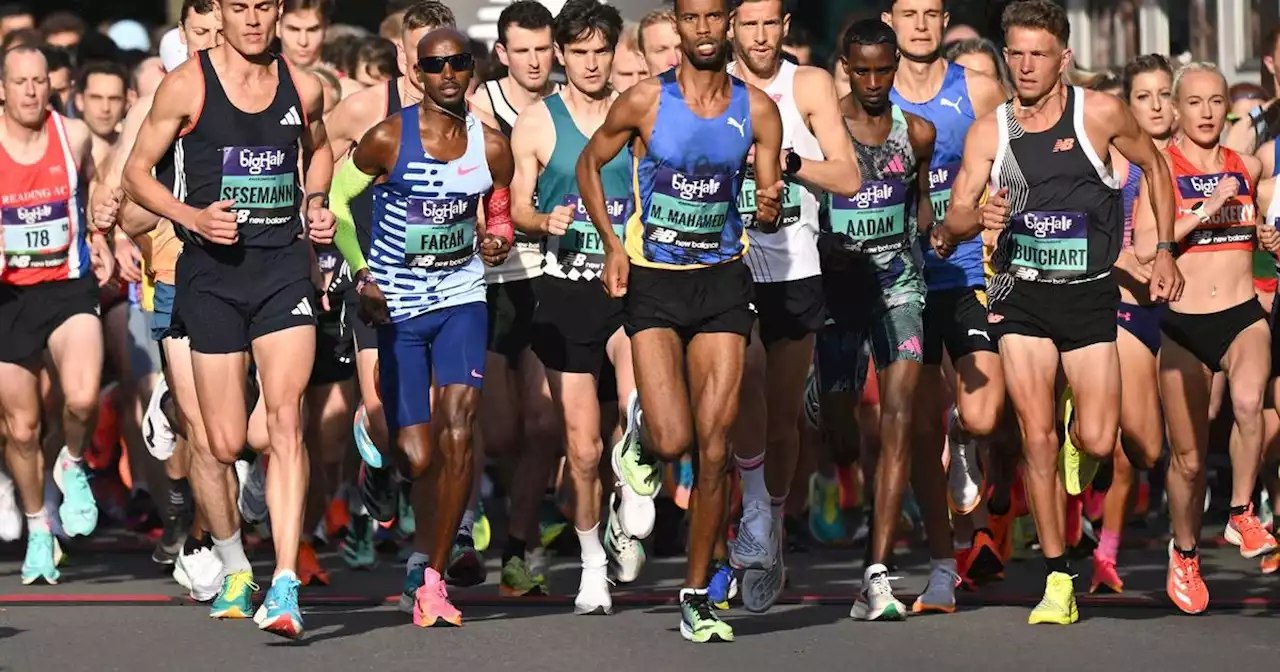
435	64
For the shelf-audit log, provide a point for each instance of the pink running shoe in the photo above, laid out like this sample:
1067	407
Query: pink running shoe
431	605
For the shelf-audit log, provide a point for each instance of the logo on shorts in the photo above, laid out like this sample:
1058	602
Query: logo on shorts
994	318
911	345
477	374
979	332
1124	315
303	308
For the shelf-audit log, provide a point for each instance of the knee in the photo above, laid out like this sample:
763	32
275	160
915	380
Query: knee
285	426
713	462
225	447
585	449
539	422
896	415
1142	454
1186	464
980	419
82	405
1098	442
1246	405
24	433
669	442
455	447
1040	446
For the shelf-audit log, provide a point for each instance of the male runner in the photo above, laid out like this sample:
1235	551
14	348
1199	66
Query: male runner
659	41
302	28
687	291
577	328
48	299
788	284
517	400
629	66
244	278
423	286
1054	298
102	93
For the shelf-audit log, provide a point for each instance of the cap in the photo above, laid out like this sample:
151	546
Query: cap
172	51
129	35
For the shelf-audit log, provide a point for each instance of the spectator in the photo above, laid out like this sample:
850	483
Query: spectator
59	78
659	41
628	61
798	44
981	55
302	29
62	29
376	61
15	16
959	32
101	93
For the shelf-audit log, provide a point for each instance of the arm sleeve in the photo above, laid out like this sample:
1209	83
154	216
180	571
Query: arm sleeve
348	184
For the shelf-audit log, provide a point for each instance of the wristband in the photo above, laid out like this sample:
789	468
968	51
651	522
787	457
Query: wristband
498	215
314	194
1167	246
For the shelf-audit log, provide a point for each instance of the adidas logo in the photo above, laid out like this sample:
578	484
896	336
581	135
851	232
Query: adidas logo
303	308
291	118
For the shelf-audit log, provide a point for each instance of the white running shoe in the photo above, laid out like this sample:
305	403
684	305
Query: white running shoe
253	490
626	555
10	516
200	573
160	438
593	593
964	476
876	601
638	476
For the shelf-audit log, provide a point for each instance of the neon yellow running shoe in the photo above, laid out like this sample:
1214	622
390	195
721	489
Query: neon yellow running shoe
1058	606
481	532
1076	467
235	600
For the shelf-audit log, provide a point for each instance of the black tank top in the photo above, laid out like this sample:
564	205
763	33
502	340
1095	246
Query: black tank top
249	158
502	109
362	204
1067	222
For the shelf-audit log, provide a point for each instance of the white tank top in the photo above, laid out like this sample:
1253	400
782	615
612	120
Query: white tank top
525	259
791	253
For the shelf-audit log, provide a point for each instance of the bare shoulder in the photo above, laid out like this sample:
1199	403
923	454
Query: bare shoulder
78	134
181	92
1105	108
759	98
1254	165
533	119
495	143
809	78
920	129
479	99
1266	190
309	88
1266	150
984	88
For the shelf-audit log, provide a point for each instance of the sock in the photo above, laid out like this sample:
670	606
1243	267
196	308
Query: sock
1188	554
777	505
284	573
139	487
946	563
417	561
751	471
515	549
468	523
1058	564
66	452
999	506
38	522
231	553
1108	545
1239	510
592	550
179	492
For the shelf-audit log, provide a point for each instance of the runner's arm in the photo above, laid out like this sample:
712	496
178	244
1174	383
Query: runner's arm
346	122
1241	136
372	159
528	132
1137	146
964	216
1144	222
172	106
1267	155
132	219
317	156
922	135
622	123
838	173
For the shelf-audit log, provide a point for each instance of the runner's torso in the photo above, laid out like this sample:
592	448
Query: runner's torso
951	113
251	159
423	254
688	181
791	253
42	213
525	259
579	254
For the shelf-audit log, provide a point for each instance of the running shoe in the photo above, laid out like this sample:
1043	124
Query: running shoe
378	492
177	520
965	481
369	453
309	569
536	558
357	547
551	523
406	523
431	604
1076	467
1002	535
1105	576
1184	584
253	490
1246	531
762	587
795	534
723	585
984	563
637	473
43	555
10	516
876	601
481	532
593	597
755	546
1023	537
279	613
518	580
235	600
698	620
826	519
626	555
1058	606
200	572
1270	563
414	576
79	510
939	595
157	434
466	565
1266	513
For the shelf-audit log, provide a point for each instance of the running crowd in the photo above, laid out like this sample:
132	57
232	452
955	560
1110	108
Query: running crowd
338	306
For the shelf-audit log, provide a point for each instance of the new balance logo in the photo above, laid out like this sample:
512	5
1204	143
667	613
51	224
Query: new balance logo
1064	145
953	104
303	308
740	125
291	118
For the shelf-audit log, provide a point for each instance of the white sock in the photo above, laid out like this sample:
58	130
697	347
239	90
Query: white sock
66	452
592	550
751	470
38	522
468	522
284	573
231	553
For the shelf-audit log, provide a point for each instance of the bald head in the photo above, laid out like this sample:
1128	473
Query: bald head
445	66
26	86
27	56
444	41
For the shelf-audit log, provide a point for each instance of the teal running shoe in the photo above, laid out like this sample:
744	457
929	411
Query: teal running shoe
826	519
279	613
43	556
414	578
405	522
357	547
364	443
235	600
466	565
79	510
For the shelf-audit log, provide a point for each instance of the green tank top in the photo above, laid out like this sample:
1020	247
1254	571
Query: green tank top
579	253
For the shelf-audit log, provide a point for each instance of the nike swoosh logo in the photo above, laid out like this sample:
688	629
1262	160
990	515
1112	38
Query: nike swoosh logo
464	171
476	374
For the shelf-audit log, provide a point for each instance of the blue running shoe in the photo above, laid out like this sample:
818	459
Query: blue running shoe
279	613
79	510
723	585
368	451
235	600
413	580
43	556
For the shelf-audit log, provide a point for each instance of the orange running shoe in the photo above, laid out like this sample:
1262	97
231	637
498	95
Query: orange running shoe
963	557
1105	576
1271	562
309	569
336	518
1185	585
1246	531
1002	535
985	563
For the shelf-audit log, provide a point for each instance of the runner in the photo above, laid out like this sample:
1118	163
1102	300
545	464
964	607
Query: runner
687	291
302	28
629	65
788	286
1054	298
1148	82
521	420
244	279
659	41
950	97
424	288
48	299
1217	325
576	327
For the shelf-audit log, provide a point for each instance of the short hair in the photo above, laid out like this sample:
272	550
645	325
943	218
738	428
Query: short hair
342	53
629	38
322	7
526	14
4	58
868	33
428	14
890	3
1039	15
580	19
1140	65
200	7
26	37
62	22
981	45
1196	66
400	6
380	55
797	36
58	58
786	5
100	68
655	17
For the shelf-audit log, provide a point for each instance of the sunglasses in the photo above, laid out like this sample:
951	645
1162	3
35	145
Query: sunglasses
435	64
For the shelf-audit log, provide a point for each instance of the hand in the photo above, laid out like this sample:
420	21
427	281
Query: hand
558	220
617	271
493	250
1128	262
769	206
218	224
944	244
373	303
995	212
128	259
1269	237
106	207
321	225
102	261
1226	190
1166	280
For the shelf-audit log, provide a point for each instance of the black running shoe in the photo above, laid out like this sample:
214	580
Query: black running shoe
378	492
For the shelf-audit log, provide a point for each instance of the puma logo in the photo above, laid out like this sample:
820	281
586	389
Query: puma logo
740	125
953	104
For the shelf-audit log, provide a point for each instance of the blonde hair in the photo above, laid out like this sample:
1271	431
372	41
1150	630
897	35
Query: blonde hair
1196	66
652	18
630	37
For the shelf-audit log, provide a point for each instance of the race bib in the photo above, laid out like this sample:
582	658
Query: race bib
1233	227
263	182
688	213
580	248
1049	246
440	233
875	219
790	213
940	181
36	236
